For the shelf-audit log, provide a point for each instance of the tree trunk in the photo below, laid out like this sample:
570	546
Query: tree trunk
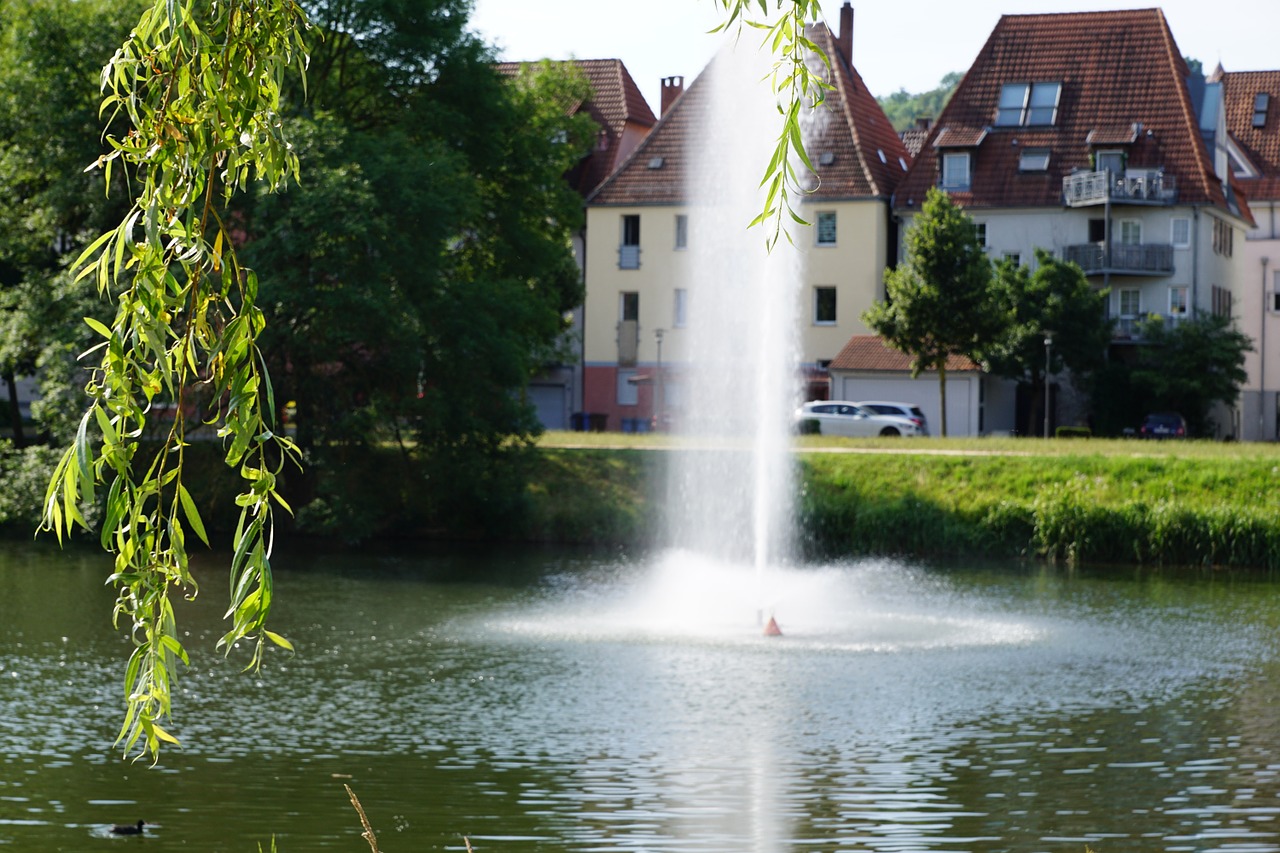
15	413
942	394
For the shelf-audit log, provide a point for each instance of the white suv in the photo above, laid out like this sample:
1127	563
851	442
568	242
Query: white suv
903	410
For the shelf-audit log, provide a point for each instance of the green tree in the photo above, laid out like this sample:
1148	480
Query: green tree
1056	298
50	57
940	301
1189	366
903	107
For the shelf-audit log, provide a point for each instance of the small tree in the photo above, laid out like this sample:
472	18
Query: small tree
1057	299
939	301
1188	366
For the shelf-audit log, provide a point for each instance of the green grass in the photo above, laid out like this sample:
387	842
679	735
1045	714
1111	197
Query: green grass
1200	503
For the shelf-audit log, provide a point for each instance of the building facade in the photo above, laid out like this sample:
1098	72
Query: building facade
1086	134
640	292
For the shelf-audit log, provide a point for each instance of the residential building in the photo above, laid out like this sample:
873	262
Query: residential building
638	291
1251	102
625	118
1086	134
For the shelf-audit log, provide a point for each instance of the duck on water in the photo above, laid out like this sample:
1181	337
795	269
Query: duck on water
128	828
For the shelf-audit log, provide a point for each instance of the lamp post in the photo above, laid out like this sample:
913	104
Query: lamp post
1048	356
657	397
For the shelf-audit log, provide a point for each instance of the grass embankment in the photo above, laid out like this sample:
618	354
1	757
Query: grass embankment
1087	500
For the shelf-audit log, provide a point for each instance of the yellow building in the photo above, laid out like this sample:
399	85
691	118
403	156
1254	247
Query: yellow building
639	290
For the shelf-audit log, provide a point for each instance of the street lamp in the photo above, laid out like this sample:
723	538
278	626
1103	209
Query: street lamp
657	397
1048	355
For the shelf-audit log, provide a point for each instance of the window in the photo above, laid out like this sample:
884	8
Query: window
1111	161
980	233
629	250
1178	302
1223	237
1130	232
1097	230
955	171
1180	232
680	313
1034	160
682	231
1130	303
827	228
1014	258
628	391
629	306
1260	103
824	306
1028	104
1221	301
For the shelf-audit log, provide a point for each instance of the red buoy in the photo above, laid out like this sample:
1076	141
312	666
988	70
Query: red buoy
772	629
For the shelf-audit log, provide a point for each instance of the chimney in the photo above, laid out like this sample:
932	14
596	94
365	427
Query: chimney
924	122
845	40
672	87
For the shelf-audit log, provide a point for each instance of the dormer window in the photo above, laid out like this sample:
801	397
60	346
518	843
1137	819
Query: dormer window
1260	103
955	171
1034	160
1028	104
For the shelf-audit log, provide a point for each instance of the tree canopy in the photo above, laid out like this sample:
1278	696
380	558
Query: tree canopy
1190	365
939	301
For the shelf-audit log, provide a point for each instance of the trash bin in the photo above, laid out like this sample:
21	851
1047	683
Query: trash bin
578	422
628	424
598	422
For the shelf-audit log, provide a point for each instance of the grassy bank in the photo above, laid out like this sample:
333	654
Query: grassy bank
1068	500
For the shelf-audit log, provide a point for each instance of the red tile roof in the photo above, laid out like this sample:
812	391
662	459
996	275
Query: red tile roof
1117	69
1260	144
870	352
615	103
867	156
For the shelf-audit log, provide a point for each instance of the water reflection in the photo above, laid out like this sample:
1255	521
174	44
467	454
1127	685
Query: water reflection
565	702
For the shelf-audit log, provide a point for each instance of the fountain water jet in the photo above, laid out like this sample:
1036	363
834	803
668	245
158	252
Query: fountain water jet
730	493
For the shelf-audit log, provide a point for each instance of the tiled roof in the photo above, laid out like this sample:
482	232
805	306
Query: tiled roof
1117	70
1260	144
913	138
615	102
866	157
870	352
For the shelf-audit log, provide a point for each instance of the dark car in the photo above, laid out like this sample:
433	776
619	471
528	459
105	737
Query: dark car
1163	425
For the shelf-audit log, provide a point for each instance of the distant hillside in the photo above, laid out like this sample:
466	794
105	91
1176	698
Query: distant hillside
903	107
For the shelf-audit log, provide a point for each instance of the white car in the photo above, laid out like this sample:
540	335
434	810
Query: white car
837	417
910	411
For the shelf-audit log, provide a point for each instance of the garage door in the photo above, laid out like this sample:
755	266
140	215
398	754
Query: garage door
551	403
923	393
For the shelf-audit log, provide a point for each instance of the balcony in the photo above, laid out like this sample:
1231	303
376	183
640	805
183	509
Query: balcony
1135	186
1127	326
628	257
1143	259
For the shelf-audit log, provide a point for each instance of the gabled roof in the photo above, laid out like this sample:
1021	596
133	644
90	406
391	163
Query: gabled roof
1261	145
1123	83
865	157
615	104
870	352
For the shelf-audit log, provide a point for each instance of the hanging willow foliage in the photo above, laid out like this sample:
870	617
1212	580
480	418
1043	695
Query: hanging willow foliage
199	83
798	84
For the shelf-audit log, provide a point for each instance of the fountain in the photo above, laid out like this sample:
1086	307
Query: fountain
730	494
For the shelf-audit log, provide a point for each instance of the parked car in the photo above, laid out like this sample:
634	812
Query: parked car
909	411
1163	425
837	417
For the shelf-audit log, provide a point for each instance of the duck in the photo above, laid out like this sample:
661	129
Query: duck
128	828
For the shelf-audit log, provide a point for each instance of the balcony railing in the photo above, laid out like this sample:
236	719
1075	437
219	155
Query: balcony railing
1135	186
1128	326
1144	259
628	257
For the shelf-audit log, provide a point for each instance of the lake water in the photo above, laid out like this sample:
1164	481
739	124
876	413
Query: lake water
544	701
